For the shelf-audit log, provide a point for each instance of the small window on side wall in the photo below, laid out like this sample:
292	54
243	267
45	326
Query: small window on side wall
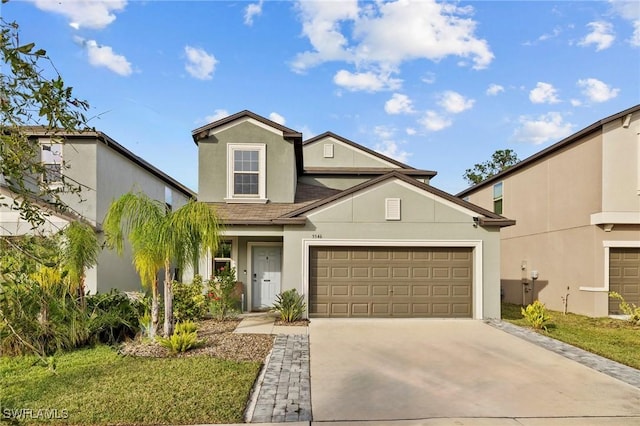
52	162
497	198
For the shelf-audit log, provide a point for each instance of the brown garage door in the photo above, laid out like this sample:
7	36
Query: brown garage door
624	276
390	282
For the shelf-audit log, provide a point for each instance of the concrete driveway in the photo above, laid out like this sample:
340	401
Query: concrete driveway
397	369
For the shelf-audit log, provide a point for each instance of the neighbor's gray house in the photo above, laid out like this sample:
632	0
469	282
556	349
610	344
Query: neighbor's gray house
577	207
105	170
357	233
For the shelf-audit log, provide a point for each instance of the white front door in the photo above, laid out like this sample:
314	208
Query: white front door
266	271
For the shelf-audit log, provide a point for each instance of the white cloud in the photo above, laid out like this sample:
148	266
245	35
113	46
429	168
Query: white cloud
251	11
200	64
104	56
601	35
544	93
630	11
434	122
366	81
94	14
596	90
494	89
411	131
218	114
429	78
547	127
274	116
383	35
454	102
391	149
399	104
576	102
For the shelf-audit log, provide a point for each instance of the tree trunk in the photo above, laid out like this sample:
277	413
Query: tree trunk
155	309
168	300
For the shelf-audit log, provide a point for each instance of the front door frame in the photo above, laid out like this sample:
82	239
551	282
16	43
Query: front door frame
250	247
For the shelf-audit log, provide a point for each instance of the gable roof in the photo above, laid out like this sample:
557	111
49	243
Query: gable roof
564	143
486	218
41	131
363	148
203	132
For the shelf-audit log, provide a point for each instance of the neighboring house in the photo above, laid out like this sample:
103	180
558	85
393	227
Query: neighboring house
357	233
577	207
104	170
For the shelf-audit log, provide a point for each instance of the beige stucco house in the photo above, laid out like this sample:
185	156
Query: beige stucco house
104	170
357	233
577	208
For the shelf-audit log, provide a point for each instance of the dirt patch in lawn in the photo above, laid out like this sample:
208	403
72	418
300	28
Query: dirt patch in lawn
219	342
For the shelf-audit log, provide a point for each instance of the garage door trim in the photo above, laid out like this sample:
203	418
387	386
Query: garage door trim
607	246
476	245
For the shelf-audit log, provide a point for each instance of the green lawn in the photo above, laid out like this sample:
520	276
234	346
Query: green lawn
98	386
614	339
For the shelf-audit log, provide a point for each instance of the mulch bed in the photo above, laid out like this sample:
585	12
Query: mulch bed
298	323
220	342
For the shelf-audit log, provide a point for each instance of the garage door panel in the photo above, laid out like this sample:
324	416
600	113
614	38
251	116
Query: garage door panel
401	272
624	276
391	281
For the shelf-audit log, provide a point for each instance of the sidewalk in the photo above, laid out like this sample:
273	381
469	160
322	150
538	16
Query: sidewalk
264	323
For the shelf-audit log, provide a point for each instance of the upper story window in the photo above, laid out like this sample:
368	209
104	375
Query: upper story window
246	173
168	198
51	157
497	198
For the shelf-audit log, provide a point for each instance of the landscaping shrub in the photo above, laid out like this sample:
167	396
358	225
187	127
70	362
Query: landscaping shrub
189	302
290	305
184	337
222	302
627	308
34	319
536	315
114	316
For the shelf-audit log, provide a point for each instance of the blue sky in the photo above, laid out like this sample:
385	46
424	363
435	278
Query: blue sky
438	85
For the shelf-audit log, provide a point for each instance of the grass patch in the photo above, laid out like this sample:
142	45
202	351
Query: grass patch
98	386
614	339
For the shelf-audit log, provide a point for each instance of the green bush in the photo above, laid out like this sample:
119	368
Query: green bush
34	320
114	317
222	302
290	305
189	302
627	308
184	338
536	315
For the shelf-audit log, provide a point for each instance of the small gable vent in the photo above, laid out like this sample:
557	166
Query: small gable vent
392	209
328	150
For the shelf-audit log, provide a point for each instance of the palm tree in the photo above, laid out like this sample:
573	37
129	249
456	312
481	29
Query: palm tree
160	238
80	251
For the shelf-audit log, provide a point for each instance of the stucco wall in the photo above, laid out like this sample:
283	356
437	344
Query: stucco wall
425	218
621	166
552	202
280	162
344	155
117	175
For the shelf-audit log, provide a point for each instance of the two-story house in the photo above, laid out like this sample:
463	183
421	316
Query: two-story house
577	207
357	233
104	170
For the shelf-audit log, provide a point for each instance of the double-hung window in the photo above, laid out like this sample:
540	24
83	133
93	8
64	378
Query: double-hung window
51	157
497	198
246	177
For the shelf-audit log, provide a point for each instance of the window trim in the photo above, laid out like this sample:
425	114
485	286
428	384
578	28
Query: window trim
499	198
261	197
51	143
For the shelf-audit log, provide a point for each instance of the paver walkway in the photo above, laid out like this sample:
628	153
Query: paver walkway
282	393
285	391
